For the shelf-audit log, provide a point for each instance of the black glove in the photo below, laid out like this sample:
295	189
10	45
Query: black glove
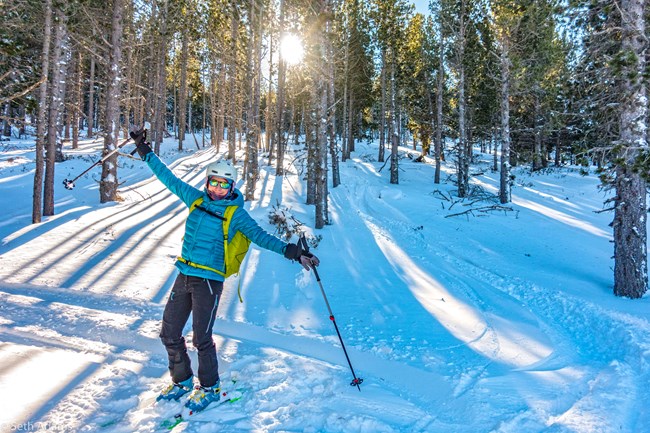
293	252
140	139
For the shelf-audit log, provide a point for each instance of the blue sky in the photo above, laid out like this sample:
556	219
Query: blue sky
421	6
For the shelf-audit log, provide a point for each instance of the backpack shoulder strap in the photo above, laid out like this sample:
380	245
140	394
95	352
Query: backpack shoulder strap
230	211
227	216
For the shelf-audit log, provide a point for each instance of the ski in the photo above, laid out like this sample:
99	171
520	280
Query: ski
227	397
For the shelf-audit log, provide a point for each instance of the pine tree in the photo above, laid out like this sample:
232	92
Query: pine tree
459	21
612	101
390	18
418	66
353	74
630	207
505	19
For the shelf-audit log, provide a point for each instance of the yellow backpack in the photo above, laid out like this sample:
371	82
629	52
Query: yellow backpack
234	250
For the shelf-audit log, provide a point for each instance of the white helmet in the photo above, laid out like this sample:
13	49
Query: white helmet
222	168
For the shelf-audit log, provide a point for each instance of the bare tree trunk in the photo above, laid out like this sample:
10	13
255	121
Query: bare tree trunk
345	150
157	22
327	103
257	96
108	184
203	111
77	102
138	97
350	131
91	97
66	114
129	70
182	97
239	119
190	120
463	145
160	95
504	177
282	68
537	150
292	121
331	118
299	127
6	124
439	109
394	155
221	110
630	212
463	163
426	137
268	115
311	143
42	106
175	108
494	146
382	115
214	103
53	113
232	135
321	155
252	75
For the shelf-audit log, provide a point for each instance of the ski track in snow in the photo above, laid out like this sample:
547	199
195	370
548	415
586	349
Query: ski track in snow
445	340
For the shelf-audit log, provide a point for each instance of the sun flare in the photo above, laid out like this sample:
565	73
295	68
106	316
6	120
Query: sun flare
291	49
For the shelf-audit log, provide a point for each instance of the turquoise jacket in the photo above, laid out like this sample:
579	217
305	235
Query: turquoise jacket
203	240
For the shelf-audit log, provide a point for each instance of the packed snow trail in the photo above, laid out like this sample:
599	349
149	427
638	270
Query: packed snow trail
458	325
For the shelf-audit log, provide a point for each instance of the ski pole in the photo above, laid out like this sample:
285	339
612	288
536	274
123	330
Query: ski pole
356	381
69	184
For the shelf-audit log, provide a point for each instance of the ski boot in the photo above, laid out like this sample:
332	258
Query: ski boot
201	397
174	391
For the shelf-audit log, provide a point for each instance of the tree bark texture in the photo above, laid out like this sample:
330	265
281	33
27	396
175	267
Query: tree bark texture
108	184
37	197
53	112
630	212
504	171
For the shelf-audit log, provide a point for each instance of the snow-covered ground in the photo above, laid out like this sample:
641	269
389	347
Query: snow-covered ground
494	320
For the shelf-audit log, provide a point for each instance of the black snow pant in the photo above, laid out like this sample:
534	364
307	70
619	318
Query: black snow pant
200	297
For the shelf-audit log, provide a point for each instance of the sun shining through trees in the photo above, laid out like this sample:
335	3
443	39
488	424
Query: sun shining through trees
291	49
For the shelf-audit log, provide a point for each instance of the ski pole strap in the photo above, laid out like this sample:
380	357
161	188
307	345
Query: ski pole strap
241	300
303	241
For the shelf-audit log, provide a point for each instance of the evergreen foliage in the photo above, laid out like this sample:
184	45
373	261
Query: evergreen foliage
535	82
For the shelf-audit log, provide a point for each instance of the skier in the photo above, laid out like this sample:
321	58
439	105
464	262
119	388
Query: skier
198	286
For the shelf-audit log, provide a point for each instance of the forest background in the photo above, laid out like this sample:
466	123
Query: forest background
539	83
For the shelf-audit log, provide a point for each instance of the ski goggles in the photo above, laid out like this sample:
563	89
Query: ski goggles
223	184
